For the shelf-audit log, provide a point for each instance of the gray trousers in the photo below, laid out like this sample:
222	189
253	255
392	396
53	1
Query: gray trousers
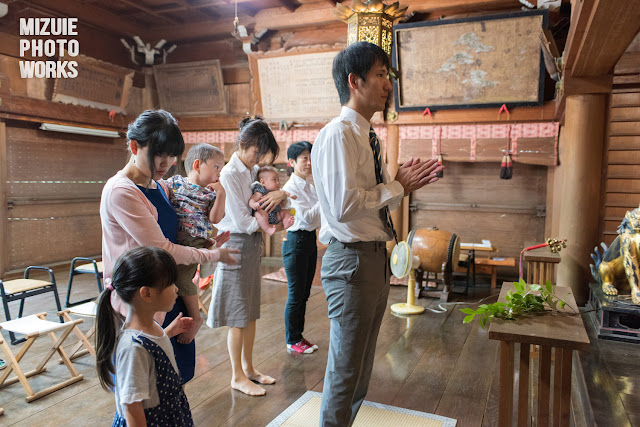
355	278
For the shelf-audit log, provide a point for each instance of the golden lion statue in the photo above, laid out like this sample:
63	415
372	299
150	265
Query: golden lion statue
619	266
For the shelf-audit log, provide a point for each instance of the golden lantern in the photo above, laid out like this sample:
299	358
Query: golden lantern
370	21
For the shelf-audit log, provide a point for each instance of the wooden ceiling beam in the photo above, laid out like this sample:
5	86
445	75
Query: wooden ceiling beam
198	30
320	13
37	110
207	9
89	15
612	26
290	5
145	9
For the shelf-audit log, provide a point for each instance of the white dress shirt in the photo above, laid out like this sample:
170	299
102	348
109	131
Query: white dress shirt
307	206
236	179
345	179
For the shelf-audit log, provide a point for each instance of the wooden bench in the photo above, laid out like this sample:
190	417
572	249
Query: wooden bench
490	266
563	334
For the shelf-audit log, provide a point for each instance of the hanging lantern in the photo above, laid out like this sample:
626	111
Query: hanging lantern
370	21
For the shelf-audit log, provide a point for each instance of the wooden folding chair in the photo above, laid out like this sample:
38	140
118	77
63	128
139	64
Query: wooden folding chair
204	297
21	289
33	327
93	267
88	309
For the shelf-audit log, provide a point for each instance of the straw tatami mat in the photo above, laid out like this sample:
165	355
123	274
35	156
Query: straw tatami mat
306	411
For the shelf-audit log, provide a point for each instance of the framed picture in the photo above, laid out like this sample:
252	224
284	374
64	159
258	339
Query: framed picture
295	84
191	88
98	85
470	63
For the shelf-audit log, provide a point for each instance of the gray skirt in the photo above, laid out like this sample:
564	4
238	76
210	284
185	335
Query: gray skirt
235	298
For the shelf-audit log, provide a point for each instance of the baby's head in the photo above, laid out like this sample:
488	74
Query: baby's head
203	164
269	178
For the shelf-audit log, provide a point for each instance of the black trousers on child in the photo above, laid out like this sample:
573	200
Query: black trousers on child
299	255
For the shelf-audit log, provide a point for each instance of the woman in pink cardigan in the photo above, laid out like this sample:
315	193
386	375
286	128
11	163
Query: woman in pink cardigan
135	211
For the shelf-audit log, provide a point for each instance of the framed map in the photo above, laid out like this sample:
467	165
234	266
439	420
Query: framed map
191	88
469	63
295	84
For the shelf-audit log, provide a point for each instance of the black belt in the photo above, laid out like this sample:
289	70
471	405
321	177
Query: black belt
375	244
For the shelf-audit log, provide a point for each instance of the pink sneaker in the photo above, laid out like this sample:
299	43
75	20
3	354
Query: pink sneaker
313	346
300	347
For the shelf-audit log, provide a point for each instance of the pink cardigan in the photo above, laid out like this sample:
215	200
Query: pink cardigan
129	220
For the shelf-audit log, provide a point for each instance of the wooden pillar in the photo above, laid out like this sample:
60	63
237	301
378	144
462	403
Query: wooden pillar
4	212
149	93
581	163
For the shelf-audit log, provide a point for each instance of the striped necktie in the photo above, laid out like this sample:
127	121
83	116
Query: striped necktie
385	214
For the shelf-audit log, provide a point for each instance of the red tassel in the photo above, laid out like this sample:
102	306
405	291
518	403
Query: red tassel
506	168
441	173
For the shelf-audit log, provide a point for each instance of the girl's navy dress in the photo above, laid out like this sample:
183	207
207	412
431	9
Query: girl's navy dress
173	409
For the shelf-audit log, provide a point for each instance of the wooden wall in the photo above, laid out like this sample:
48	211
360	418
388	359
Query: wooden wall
622	156
54	182
472	201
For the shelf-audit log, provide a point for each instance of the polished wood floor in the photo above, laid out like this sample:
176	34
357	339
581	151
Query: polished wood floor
431	363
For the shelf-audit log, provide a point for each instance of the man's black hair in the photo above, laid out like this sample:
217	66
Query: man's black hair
358	58
298	148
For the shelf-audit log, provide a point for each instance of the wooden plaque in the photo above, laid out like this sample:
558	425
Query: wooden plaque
191	88
469	63
296	84
98	85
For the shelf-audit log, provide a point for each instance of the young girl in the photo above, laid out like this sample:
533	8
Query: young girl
148	387
236	289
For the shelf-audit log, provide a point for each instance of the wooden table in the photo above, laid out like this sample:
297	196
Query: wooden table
563	334
490	266
541	264
470	246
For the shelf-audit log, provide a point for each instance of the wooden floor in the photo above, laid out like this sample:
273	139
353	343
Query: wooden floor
431	363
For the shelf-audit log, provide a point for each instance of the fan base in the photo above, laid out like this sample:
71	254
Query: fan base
404	308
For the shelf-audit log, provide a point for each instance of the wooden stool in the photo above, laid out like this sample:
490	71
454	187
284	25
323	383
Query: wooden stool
541	265
33	327
20	289
93	267
88	309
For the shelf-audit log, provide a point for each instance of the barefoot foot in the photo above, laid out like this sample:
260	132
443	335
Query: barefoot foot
246	386
260	378
288	222
271	230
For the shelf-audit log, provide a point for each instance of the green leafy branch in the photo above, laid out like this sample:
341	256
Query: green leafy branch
525	299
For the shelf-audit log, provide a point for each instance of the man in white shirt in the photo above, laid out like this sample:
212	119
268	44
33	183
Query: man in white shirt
299	250
356	194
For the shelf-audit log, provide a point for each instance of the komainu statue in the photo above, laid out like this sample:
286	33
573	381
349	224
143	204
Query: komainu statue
618	268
